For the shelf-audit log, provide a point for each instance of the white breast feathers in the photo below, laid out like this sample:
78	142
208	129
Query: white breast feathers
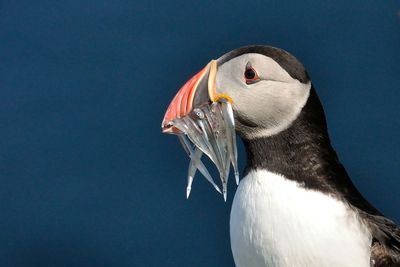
277	223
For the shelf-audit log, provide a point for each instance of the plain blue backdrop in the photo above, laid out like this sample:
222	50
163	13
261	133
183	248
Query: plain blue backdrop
87	178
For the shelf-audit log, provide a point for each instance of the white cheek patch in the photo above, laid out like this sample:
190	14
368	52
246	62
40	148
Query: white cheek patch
274	107
272	104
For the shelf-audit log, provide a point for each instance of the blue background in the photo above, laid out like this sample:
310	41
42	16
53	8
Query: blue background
87	179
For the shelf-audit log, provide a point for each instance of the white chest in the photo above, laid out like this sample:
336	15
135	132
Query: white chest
276	223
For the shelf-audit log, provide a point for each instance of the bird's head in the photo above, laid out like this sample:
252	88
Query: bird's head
267	89
266	86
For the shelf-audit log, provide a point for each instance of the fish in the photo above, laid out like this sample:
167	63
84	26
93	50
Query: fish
209	130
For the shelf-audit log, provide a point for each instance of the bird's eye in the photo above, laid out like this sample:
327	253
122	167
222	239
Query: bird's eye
251	75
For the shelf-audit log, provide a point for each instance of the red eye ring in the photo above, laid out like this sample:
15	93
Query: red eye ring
250	75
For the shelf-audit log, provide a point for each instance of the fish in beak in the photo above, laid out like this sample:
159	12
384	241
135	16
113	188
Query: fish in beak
204	123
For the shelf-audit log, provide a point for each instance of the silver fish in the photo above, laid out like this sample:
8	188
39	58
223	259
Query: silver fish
210	130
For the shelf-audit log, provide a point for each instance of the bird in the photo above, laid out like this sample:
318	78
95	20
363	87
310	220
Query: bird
296	205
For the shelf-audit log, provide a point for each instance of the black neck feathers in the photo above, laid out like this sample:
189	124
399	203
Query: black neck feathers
303	153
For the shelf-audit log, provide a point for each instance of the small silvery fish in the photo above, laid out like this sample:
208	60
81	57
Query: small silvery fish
209	129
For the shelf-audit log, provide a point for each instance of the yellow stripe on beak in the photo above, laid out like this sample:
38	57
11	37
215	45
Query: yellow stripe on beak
212	87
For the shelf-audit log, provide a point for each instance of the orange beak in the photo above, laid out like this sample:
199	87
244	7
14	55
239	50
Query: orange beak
200	89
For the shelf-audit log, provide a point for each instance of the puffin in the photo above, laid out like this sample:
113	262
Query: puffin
296	205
